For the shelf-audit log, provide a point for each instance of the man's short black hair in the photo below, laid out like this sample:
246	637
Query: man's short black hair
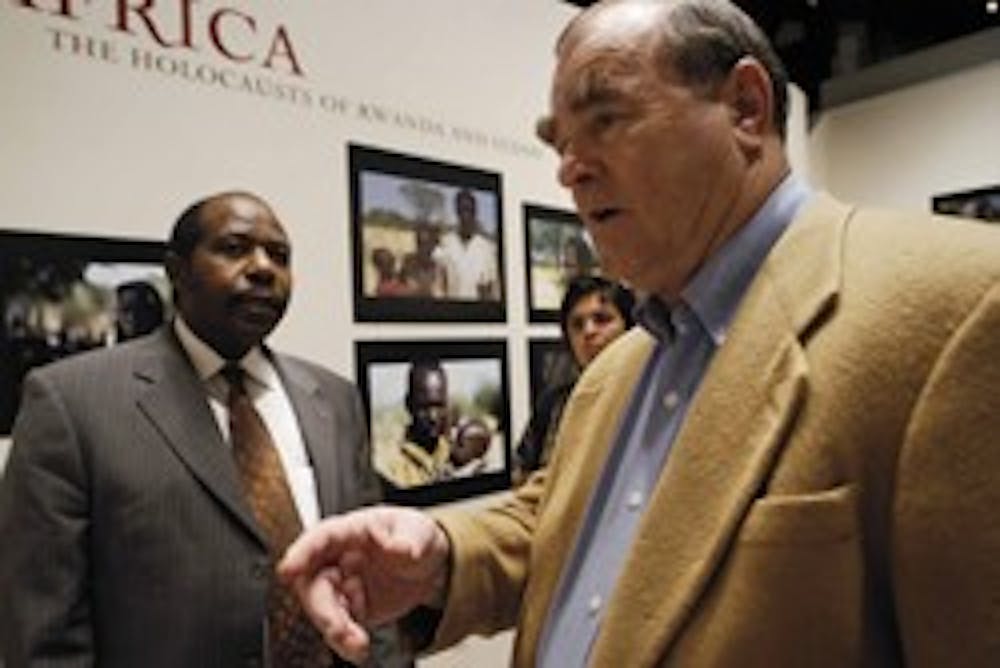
187	230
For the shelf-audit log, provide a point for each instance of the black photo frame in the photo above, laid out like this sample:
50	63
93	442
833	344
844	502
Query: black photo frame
63	294
981	203
556	249
478	397
550	364
409	262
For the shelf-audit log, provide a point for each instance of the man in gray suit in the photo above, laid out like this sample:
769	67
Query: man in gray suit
131	537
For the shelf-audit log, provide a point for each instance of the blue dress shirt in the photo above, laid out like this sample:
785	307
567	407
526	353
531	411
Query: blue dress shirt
687	337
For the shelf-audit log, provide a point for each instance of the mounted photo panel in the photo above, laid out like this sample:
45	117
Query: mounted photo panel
438	417
427	239
557	249
61	294
550	364
982	203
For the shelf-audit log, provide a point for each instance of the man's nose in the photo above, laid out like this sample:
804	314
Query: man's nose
575	167
261	264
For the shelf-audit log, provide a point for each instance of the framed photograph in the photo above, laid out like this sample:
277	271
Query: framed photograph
557	249
550	363
428	239
438	417
982	203
60	295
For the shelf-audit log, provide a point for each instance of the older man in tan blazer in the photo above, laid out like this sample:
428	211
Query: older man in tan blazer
792	463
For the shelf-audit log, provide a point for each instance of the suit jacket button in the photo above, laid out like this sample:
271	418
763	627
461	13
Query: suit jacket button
260	570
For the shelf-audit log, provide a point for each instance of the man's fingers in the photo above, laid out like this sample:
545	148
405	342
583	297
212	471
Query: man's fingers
327	604
351	643
321	545
353	590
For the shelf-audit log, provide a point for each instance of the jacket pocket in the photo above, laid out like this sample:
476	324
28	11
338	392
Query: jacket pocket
828	516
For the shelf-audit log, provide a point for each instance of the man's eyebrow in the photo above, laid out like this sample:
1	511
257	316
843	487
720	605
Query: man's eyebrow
586	95
596	85
545	129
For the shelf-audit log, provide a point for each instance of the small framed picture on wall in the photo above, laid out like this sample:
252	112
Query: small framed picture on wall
63	294
550	365
438	416
557	249
981	203
427	239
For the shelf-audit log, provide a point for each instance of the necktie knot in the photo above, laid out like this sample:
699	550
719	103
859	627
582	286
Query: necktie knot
235	376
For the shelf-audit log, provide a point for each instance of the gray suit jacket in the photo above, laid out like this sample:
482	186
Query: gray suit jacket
127	541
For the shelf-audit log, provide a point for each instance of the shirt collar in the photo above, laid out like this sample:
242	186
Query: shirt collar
208	363
715	291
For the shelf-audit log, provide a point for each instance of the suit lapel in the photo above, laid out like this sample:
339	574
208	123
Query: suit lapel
171	396
318	426
581	451
728	446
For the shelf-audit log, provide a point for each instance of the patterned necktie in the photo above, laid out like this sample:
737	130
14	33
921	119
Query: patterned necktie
293	642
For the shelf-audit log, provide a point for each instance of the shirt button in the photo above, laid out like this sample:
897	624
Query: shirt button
671	401
594	605
634	500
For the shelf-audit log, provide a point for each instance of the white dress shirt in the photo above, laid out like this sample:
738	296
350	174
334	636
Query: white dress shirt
268	394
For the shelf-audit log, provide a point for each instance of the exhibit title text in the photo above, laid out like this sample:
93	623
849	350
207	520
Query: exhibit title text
181	25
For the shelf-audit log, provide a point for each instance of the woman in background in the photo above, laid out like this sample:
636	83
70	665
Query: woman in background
594	312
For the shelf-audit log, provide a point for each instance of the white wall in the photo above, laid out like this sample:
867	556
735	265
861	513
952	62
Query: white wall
900	148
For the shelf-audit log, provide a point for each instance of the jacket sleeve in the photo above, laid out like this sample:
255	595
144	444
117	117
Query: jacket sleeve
946	533
45	617
491	549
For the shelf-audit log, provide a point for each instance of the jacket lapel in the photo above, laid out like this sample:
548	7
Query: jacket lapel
732	436
579	456
171	396
317	424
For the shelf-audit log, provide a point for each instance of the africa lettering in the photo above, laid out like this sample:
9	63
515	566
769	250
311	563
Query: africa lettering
179	24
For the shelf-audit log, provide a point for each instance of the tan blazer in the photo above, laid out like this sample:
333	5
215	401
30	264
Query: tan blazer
832	498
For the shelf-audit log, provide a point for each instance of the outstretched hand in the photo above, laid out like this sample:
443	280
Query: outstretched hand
366	568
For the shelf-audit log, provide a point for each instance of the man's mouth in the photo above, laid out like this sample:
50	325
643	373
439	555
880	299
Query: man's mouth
603	215
259	305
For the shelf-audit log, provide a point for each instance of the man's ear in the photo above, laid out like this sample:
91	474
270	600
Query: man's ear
747	92
175	265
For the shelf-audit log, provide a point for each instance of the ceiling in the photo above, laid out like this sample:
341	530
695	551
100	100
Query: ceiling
821	39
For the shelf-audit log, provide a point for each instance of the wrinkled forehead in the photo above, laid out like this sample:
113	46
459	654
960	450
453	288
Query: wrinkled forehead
600	52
